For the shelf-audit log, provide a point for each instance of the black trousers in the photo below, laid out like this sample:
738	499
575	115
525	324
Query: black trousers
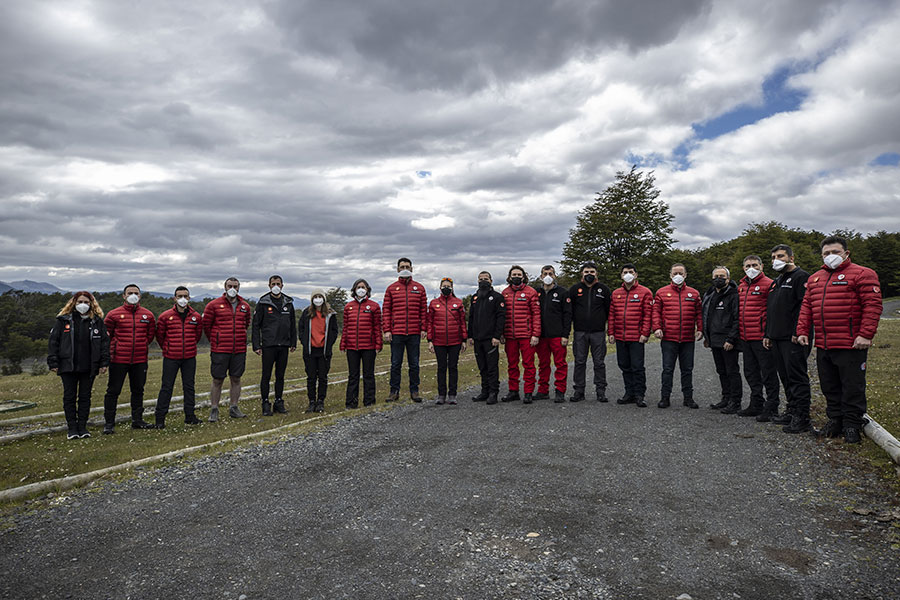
277	356
188	368
842	375
760	373
595	343
683	352
77	397
317	367
447	361
487	357
354	358
137	377
790	362
729	372
630	358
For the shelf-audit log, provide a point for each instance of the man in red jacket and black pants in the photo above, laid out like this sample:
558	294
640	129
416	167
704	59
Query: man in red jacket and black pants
403	318
225	322
521	332
131	328
177	332
759	363
630	319
678	322
843	305
556	322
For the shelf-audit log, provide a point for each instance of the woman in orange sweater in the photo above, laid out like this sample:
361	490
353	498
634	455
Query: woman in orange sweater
318	330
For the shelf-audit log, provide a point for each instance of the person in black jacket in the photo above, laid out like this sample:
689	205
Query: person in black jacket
486	320
318	331
590	310
78	350
274	335
782	312
556	322
721	334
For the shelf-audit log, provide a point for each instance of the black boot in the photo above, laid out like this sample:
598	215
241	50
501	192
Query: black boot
851	435
266	408
542	396
528	399
770	410
782	419
160	422
720	404
639	402
664	403
797	425
279	406
311	408
751	411
319	406
512	396
480	397
109	428
626	399
492	398
689	403
832	429
191	419
733	408
560	397
577	397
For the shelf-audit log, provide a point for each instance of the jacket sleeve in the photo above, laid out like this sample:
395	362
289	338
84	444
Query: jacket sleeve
293	327
151	333
429	323
423	306
161	333
535	316
656	319
343	345
471	312
386	309
111	330
255	330
104	344
332	333
376	330
869	292
611	319
567	316
53	346
499	317
804	321
646	314
462	324
734	330
301	326
209	319
698	316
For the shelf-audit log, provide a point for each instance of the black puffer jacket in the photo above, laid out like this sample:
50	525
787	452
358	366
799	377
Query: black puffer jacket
720	316
61	348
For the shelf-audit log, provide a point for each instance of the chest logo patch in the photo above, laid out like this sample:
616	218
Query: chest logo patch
841	276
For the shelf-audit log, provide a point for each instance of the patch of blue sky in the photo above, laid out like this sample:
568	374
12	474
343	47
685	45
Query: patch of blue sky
888	159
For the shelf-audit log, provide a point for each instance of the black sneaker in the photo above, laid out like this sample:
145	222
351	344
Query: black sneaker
832	429
542	396
142	425
639	402
109	428
311	408
601	397
492	399
782	419
851	435
750	411
266	408
626	399
512	396
72	434
159	425
664	403
192	420
689	403
797	425
577	397
528	399
278	406
82	431
720	404
732	409
560	397
480	397
764	417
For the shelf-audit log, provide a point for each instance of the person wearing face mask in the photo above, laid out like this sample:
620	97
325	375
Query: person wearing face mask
318	331
362	340
487	317
678	322
521	332
274	336
843	306
178	331
405	305
590	311
556	323
78	350
782	312
721	335
446	328
759	364
225	322
131	328
630	319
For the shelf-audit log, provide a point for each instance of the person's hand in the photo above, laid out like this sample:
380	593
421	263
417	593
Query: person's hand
424	335
431	347
535	340
767	343
293	348
102	370
387	337
698	335
54	370
861	343
728	346
462	347
793	339
259	352
611	339
658	333
377	350
502	339
706	343
495	342
564	342
471	342
803	340
643	339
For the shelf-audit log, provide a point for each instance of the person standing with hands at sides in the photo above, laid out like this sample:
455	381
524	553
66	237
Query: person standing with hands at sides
487	317
225	322
361	339
521	332
678	322
630	319
843	305
721	335
446	328
759	364
556	323
318	331
274	336
78	350
590	311
178	331
405	305
131	328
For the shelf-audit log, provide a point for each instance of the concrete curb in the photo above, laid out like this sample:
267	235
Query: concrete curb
882	437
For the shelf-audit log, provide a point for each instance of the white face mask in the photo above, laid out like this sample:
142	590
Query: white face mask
833	261
752	273
778	264
361	292
547	280
83	307
405	273
231	292
628	277
678	279
133	299
182	302
318	301
276	290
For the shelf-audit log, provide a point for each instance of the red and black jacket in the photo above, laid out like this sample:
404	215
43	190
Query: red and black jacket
446	321
523	312
678	312
225	325
362	326
131	328
405	305
178	333
754	296
630	313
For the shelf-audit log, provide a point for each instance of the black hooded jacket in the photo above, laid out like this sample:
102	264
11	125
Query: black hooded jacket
274	324
62	349
720	315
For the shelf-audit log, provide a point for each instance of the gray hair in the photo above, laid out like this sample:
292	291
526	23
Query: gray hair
724	268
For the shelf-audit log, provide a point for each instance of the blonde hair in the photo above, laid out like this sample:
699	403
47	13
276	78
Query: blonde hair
95	311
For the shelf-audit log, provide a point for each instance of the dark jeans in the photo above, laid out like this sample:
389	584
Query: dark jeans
77	396
354	358
683	352
447	360
842	375
317	367
411	344
630	358
595	343
790	361
277	356
188	368
759	371
137	377
487	357
729	373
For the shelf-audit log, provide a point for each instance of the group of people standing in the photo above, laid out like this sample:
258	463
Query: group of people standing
771	322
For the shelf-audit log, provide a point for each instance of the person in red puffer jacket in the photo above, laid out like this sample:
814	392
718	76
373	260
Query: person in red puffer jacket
446	328
225	322
403	320
361	339
521	332
131	328
178	331
678	322
629	324
759	363
843	306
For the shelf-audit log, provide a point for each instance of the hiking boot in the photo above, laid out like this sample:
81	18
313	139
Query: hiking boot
601	397
235	412
279	406
782	419
720	404
441	400
311	408
353	405
192	420
512	396
639	402
626	399
213	414
765	416
832	429
480	397
319	407
529	398
109	428
664	403
750	411
451	400
851	435
492	399
393	397
733	408
797	425
142	425
266	408
415	397
159	425
560	397
542	396
689	403
577	397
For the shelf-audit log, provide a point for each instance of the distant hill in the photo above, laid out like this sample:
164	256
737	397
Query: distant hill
4	287
30	286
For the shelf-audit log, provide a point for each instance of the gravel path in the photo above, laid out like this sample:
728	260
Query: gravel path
581	500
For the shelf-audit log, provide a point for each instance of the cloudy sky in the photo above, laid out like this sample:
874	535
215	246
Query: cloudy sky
182	142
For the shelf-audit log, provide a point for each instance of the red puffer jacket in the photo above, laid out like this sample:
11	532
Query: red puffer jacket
678	312
405	305
841	305
362	326
754	297
178	337
226	327
131	328
630	313
523	312
446	321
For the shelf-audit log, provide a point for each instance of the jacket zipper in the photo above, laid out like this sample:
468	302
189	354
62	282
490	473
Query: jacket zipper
133	335
624	318
822	309
680	317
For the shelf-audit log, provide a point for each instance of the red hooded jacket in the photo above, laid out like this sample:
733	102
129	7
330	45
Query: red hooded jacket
678	312
178	337
131	328
226	325
446	321
405	305
754	298
523	312
362	326
630	313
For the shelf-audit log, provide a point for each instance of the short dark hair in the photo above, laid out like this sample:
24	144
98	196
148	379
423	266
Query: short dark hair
751	257
125	289
833	239
403	260
488	273
678	265
784	247
551	267
278	277
181	288
235	279
627	266
588	265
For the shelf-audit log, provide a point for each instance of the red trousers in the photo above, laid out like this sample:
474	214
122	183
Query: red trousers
513	348
545	348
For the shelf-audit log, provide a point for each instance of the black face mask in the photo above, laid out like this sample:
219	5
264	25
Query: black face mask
719	282
515	280
590	278
484	286
447	291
